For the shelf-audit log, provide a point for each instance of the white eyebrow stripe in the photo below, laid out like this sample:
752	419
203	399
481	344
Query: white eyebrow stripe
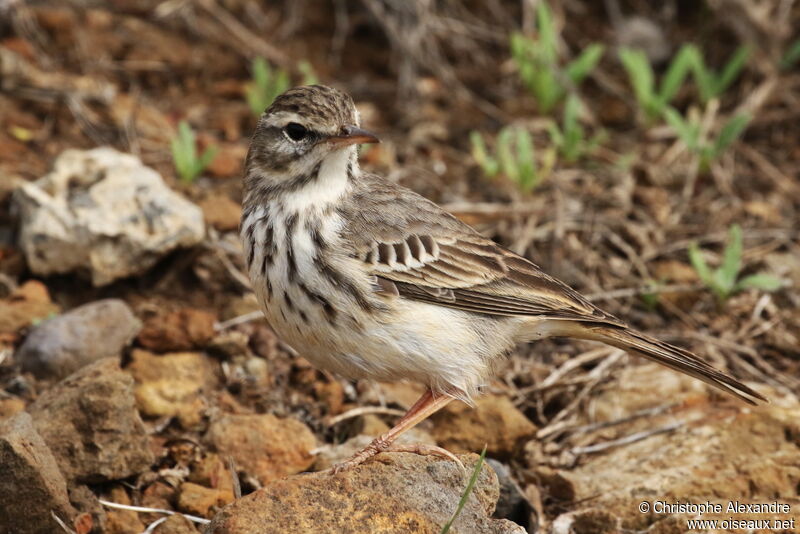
281	118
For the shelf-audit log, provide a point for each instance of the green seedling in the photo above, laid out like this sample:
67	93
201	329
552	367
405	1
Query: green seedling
309	76
267	84
792	56
514	157
187	162
538	62
570	138
651	298
724	281
653	100
708	151
711	84
465	496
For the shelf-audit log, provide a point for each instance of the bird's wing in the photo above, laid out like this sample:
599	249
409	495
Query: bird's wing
419	251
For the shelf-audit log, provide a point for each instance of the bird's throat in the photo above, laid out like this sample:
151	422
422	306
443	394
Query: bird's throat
333	178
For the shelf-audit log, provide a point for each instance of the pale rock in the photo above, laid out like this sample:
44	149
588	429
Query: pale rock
104	212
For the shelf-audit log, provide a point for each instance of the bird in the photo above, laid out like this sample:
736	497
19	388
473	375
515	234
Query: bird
368	279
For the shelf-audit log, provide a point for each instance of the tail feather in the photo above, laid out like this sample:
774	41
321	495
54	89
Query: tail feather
668	355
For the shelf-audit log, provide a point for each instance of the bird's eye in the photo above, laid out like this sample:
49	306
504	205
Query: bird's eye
295	131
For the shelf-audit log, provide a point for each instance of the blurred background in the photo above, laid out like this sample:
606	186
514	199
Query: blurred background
646	153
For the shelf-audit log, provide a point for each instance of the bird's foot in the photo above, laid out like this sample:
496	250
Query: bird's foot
379	445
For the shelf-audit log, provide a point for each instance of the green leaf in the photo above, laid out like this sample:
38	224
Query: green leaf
728	272
481	156
187	163
731	70
764	282
505	156
573	132
730	132
583	65
676	73
688	132
307	70
547	32
791	56
526	164
640	75
465	496
700	265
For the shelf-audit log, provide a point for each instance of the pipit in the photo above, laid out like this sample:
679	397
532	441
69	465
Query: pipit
368	279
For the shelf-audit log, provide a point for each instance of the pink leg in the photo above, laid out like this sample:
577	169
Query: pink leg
426	406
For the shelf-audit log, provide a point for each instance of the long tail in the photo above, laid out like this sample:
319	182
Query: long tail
668	355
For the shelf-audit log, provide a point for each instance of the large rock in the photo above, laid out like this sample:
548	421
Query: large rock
263	445
723	451
391	494
64	344
31	484
104	212
89	421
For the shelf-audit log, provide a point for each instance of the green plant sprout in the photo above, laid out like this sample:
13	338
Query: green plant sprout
651	298
689	60
514	157
724	281
653	100
538	63
465	496
187	162
309	76
711	84
267	84
791	56
689	132
570	138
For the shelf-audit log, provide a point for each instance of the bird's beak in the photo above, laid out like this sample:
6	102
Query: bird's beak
352	135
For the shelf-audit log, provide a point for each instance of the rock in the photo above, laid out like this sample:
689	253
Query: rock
210	487
494	422
104	212
643	34
176	524
64	344
173	385
184	329
89	421
29	302
221	212
122	521
722	451
263	445
200	500
393	493
31	484
10	407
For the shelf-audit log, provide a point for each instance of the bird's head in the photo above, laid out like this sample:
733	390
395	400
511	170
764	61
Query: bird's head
305	129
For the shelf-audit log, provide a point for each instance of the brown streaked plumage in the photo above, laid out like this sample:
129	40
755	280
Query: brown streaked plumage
368	279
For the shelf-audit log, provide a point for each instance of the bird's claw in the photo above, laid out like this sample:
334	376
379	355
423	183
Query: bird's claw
415	448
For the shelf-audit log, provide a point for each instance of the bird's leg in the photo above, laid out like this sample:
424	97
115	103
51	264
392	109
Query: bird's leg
426	406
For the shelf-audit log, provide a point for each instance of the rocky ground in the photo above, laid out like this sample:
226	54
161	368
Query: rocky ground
140	391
